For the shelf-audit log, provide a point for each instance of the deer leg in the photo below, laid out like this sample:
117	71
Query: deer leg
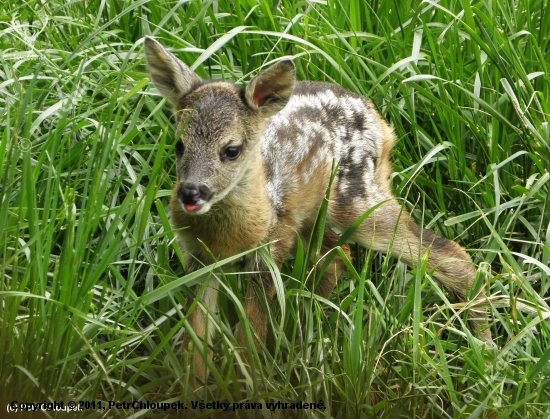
336	267
389	229
198	320
283	239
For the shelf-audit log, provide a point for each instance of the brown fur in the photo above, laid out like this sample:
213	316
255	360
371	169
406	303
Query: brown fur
253	170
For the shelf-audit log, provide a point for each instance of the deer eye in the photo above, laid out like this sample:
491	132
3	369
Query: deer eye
232	153
179	149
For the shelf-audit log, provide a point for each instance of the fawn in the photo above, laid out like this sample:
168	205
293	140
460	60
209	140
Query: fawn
253	165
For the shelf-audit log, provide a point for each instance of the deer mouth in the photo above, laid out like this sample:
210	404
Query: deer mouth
194	198
199	206
193	207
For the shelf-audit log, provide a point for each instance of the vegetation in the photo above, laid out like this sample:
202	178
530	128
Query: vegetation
93	285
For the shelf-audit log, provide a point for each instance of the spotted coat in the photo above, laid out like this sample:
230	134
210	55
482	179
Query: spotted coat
253	166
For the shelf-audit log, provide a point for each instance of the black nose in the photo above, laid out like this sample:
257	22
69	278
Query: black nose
191	193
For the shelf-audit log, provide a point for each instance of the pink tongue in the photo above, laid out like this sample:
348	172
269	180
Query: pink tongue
191	207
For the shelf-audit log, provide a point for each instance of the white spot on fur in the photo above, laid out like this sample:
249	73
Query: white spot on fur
290	138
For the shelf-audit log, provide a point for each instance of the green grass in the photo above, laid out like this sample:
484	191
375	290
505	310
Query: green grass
93	284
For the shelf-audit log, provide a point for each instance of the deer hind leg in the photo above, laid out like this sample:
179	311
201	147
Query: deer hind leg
198	320
390	229
328	281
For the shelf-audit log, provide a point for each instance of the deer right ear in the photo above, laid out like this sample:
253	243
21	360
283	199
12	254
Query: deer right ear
270	90
170	76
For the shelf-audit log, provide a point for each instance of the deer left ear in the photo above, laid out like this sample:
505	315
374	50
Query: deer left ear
270	90
171	77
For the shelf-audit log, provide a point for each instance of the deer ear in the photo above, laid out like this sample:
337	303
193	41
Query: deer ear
270	90
170	76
